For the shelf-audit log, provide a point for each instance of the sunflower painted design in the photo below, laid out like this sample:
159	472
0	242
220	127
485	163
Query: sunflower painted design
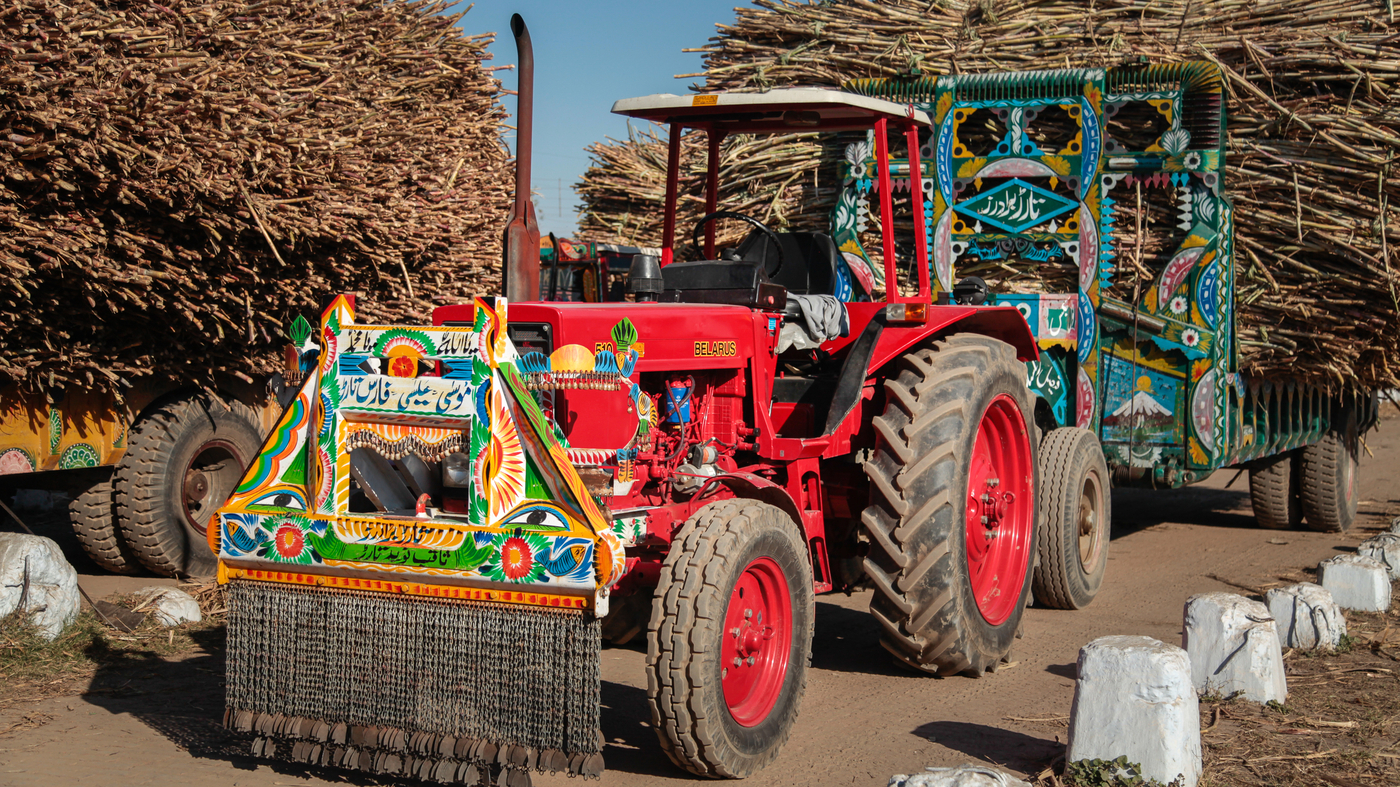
518	558
289	545
500	467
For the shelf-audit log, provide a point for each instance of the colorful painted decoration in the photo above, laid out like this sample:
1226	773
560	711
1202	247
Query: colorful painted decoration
392	414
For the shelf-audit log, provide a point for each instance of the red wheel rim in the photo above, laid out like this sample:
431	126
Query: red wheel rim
208	480
756	641
1000	511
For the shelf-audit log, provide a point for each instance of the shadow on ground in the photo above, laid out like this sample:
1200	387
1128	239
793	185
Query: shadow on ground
1014	750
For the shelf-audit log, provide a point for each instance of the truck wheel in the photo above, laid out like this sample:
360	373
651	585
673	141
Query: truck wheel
730	639
90	513
183	460
1273	492
952	514
1075	517
1329	478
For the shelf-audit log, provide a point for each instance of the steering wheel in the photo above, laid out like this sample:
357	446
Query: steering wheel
755	223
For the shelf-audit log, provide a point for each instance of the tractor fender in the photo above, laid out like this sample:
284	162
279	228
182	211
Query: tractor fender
754	487
1004	323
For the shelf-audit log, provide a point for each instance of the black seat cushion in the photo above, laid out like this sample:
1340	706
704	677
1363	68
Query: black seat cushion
809	260
738	282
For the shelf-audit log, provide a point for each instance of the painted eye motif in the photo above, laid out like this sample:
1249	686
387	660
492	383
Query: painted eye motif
537	517
281	498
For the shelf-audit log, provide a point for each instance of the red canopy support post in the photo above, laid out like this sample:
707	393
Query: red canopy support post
916	192
882	165
673	174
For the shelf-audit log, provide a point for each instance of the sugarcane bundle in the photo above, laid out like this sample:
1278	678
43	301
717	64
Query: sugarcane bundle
178	181
1314	121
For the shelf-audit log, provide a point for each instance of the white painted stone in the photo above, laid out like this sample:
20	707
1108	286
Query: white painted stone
33	569
1385	548
968	775
169	606
1134	699
1356	582
1395	525
1234	648
1305	616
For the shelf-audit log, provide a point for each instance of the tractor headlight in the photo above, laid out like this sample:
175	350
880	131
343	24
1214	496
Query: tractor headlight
456	469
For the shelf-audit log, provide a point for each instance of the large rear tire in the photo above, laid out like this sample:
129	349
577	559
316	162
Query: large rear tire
953	506
91	515
1273	492
1330	469
1075	519
183	460
730	639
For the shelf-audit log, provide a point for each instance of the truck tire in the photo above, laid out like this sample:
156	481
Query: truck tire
182	461
951	551
1273	492
1075	519
90	513
724	683
1328	486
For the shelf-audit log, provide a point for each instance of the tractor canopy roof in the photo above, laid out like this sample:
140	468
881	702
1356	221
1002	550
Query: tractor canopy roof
782	110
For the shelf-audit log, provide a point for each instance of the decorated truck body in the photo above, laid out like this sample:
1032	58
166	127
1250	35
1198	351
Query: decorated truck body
423	559
1117	178
146	471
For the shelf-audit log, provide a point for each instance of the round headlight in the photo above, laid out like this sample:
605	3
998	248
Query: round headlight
456	469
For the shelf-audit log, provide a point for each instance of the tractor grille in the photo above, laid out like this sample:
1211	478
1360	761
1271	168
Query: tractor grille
440	690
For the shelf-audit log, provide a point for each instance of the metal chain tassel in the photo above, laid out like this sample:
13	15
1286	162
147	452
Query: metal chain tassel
446	691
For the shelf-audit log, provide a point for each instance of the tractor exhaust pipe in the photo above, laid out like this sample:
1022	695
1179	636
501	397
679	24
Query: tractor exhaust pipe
520	265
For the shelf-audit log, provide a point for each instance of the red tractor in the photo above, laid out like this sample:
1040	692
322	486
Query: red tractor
777	442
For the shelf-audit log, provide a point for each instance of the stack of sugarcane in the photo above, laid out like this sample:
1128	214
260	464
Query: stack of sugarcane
178	181
1314	123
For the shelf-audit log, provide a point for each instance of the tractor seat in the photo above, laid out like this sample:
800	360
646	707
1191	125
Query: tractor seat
809	260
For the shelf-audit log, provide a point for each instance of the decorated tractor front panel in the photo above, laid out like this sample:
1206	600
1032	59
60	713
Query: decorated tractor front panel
414	523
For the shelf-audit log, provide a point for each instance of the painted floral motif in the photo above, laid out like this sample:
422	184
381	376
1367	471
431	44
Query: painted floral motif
1178	305
1190	337
516	558
289	545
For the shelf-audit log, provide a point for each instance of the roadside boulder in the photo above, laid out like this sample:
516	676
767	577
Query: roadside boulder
1234	648
37	581
1305	616
169	606
1385	548
1356	582
968	775
1134	699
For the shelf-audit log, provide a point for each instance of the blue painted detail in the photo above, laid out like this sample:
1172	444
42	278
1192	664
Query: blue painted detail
1088	327
1027	305
1090	142
1167	344
843	290
352	365
1140	404
1016	206
1207	293
944	159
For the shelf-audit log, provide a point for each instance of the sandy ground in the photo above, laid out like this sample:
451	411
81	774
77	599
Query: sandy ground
862	719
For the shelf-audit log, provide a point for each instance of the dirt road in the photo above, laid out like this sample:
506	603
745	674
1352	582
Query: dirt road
156	722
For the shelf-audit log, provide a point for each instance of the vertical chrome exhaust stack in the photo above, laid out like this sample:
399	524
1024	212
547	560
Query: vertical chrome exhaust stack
520	269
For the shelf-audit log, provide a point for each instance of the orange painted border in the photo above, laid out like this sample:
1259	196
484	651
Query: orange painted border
549	600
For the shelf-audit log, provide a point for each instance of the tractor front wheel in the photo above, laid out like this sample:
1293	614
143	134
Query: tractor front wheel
953	506
1075	519
730	639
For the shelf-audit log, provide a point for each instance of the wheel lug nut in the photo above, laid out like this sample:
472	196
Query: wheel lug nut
738	661
751	661
748	613
734	631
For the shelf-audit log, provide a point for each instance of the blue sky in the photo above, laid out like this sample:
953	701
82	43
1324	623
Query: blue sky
589	53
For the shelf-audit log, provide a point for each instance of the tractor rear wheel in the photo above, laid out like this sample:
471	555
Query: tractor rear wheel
91	515
1273	491
730	638
183	460
1075	519
953	506
1328	486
